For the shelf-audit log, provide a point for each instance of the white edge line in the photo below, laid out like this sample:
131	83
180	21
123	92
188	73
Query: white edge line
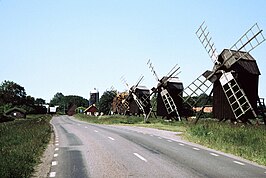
52	174
56	144
55	155
54	163
213	154
196	149
56	149
140	157
111	138
96	131
237	162
170	141
181	144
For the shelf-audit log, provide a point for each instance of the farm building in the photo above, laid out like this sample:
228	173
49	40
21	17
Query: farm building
246	73
16	113
91	110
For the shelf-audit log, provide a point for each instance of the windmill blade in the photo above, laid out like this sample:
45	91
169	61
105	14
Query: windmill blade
152	70
249	41
139	104
198	87
138	82
173	70
205	39
236	97
123	79
169	103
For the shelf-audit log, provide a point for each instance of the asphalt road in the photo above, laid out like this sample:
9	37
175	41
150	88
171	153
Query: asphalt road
88	150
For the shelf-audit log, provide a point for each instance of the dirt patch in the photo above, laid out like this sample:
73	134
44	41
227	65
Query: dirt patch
42	170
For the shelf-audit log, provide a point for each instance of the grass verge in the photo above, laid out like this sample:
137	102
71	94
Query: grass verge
22	143
248	142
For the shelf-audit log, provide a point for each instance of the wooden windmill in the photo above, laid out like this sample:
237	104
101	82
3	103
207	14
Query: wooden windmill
134	101
234	77
168	87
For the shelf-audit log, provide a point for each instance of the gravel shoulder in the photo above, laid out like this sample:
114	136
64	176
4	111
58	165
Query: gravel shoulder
42	170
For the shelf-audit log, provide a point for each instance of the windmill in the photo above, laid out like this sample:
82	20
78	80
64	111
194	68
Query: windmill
134	102
227	76
166	105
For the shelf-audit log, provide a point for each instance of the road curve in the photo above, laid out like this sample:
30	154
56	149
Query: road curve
89	150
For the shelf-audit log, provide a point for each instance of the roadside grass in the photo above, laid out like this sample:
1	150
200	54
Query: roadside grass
22	143
246	141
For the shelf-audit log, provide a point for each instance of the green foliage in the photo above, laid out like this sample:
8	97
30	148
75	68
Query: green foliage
13	93
106	100
245	141
65	101
22	142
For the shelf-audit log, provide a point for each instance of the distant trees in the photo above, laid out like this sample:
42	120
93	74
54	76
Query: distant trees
14	95
106	100
65	102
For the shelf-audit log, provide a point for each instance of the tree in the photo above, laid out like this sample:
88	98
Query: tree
12	93
65	102
106	100
39	101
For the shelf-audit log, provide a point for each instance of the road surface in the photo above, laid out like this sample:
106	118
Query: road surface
89	150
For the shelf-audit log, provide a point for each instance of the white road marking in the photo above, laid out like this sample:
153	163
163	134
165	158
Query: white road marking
213	154
140	157
265	172
159	137
52	174
55	155
111	138
54	163
237	162
56	149
56	144
181	144
86	127
96	131
170	141
196	149
56	141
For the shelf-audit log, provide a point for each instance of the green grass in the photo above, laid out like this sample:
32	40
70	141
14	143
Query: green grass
245	141
22	143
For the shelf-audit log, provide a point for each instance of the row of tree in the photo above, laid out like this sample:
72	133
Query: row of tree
14	95
66	102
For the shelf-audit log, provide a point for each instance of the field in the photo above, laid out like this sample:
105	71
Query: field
22	142
241	140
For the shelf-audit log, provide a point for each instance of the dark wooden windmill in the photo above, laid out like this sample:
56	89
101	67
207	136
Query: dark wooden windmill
234	77
134	102
169	103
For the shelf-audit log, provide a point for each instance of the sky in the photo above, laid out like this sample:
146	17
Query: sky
72	47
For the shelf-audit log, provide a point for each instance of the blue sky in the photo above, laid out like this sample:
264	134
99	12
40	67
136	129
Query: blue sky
74	46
